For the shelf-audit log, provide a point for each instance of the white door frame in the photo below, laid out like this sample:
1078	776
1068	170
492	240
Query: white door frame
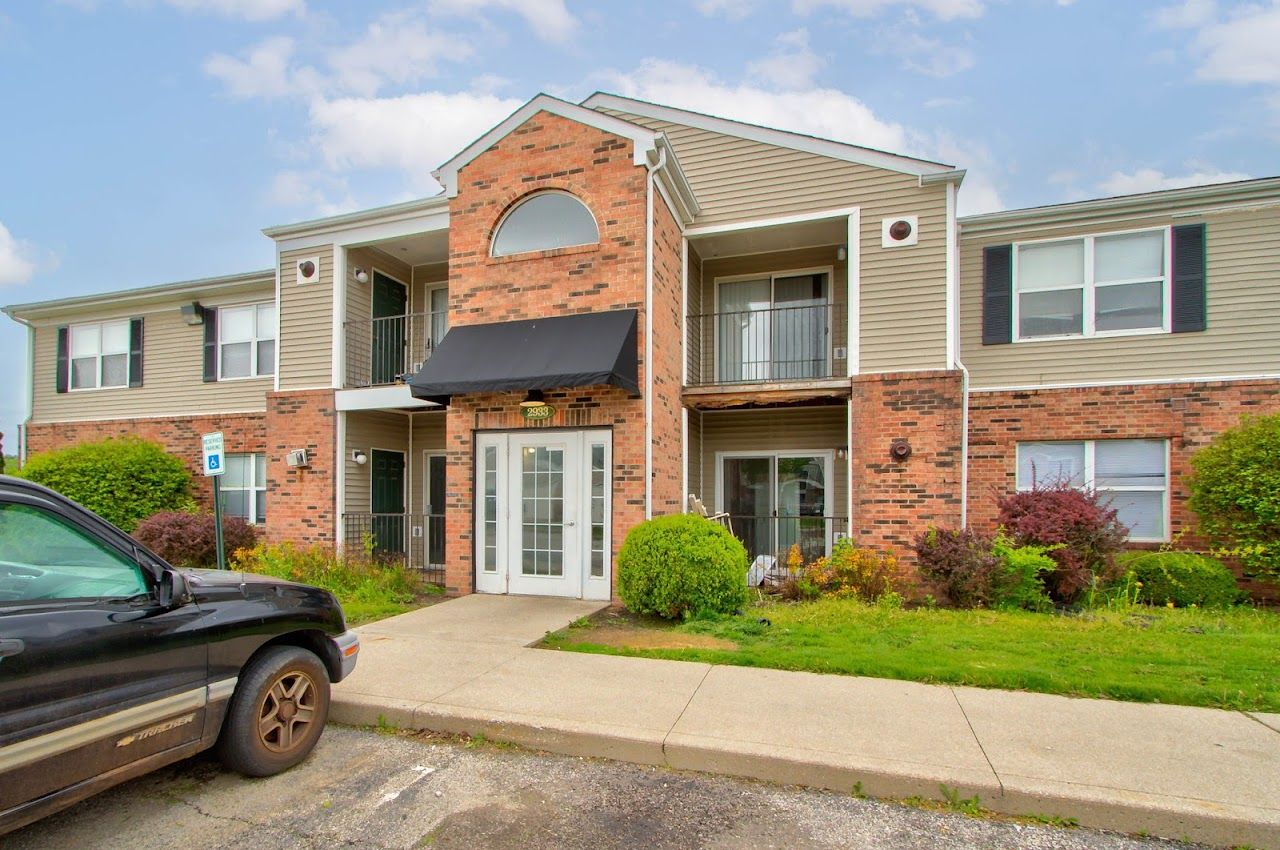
427	454
828	472
505	576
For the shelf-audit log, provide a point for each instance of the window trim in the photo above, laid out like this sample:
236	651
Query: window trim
1090	451
1090	286
829	271
71	358
497	227
252	519
257	338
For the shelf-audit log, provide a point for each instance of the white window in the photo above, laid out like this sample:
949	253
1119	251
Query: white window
1132	474
100	355
544	221
1092	285
246	341
244	487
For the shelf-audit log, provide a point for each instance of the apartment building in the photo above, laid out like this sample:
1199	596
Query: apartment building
615	305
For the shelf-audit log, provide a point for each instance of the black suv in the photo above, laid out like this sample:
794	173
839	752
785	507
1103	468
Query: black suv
113	663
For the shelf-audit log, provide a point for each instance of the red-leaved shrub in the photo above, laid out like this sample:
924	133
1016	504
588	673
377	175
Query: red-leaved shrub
1086	532
960	564
188	540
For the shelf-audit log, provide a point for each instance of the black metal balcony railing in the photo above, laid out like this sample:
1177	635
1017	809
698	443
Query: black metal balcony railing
773	536
391	349
758	346
415	540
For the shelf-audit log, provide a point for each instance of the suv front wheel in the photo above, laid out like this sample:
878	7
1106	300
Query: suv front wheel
277	712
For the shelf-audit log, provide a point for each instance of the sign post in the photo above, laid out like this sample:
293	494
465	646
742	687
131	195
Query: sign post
214	466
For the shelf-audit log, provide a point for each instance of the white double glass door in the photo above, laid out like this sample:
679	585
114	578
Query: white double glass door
542	513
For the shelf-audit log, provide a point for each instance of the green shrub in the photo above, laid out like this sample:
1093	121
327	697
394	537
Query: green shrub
1235	491
189	540
1183	578
1021	578
682	565
123	480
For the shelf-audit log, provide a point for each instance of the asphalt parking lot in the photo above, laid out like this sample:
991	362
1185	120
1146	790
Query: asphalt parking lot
362	789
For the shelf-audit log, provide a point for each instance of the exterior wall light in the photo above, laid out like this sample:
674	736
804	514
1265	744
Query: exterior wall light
359	456
193	313
533	399
842	253
361	275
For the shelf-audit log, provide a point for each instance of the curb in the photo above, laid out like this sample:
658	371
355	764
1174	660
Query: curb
1090	806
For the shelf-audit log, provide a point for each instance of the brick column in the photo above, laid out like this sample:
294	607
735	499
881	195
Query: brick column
300	501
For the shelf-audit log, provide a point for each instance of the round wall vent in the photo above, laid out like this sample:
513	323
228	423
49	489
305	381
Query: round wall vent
899	230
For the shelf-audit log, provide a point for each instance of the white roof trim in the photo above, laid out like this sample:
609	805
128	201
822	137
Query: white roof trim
140	295
768	135
643	140
376	215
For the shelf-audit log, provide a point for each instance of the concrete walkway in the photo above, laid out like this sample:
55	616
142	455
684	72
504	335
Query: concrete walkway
464	666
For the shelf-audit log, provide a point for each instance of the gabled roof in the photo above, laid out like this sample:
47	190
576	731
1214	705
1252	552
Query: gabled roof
648	146
143	294
770	136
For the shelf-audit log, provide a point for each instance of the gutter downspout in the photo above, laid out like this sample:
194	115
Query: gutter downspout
31	390
953	345
648	332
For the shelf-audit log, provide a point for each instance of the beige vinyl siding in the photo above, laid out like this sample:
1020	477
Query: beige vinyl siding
778	430
763	265
306	322
1243	336
428	436
367	430
695	305
903	290
172	366
694	457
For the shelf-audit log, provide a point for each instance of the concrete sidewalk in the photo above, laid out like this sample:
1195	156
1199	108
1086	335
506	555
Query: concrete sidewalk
464	666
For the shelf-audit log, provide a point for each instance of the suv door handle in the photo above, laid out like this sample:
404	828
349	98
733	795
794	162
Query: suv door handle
11	646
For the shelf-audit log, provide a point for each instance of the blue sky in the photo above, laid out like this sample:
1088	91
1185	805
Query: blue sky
149	141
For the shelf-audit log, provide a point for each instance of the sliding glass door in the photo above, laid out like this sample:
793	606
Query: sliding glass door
773	328
777	500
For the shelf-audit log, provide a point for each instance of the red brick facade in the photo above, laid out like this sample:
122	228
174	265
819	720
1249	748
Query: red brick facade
242	432
895	499
1188	415
301	501
550	152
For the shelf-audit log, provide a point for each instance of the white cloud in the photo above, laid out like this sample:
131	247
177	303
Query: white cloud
263	72
734	10
1152	180
397	48
17	259
550	20
1187	14
249	10
943	9
1244	48
413	133
792	64
928	56
315	191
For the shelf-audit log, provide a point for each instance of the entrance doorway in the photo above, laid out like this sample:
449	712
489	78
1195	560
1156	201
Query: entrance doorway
386	479
776	500
390	304
543	503
434	466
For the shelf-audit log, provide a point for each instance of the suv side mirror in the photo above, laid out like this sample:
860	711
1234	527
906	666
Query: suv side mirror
171	591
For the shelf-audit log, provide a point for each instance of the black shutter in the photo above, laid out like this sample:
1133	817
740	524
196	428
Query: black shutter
210	344
997	294
1190	298
64	360
135	352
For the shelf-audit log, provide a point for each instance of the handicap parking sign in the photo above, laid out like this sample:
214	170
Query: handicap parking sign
212	445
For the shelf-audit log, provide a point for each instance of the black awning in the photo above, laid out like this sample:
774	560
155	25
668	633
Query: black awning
583	350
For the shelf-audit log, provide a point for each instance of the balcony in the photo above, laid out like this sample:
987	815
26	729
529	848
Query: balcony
776	349
389	350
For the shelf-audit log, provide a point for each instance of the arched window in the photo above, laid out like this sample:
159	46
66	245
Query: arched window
544	221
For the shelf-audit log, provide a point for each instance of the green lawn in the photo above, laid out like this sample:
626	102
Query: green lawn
1221	659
